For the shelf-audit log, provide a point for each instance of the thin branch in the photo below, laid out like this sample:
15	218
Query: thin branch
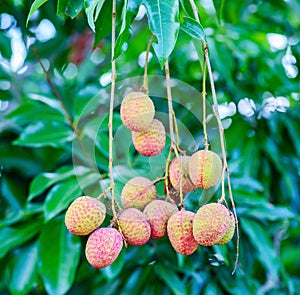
205	140
65	110
145	85
111	110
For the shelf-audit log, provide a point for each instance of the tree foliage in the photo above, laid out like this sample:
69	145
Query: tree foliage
255	53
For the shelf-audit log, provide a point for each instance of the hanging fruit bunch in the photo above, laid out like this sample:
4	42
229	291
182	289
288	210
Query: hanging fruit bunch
142	214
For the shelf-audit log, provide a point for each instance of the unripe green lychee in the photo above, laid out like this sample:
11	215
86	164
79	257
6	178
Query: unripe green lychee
152	141
84	215
174	174
205	168
138	192
137	111
211	223
180	232
158	213
103	247
135	226
229	234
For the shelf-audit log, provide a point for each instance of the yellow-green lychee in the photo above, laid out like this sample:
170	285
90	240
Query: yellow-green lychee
205	169
103	247
180	232
135	226
152	141
229	234
179	168
84	215
211	223
158	213
137	111
138	192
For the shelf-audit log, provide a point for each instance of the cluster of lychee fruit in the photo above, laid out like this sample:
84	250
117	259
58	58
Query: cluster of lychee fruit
144	214
137	114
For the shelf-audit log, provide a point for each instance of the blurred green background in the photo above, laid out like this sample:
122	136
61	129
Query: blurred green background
255	54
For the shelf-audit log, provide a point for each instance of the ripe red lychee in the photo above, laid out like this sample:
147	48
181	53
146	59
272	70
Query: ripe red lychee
180	166
84	215
211	223
135	226
152	141
229	234
137	111
103	247
138	192
205	168
158	213
180	232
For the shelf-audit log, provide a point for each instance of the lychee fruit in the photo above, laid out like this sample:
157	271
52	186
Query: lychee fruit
229	234
158	213
137	111
135	226
179	168
103	247
84	215
211	223
205	169
152	141
138	192
180	232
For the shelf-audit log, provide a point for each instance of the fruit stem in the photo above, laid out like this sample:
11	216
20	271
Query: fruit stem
145	85
205	140
168	161
65	110
111	110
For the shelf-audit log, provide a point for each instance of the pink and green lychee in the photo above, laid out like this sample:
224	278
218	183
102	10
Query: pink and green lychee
211	223
152	141
205	169
84	215
138	192
103	247
158	213
180	232
135	226
229	234
137	111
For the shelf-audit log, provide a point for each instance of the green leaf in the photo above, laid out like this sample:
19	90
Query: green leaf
62	6
45	134
92	10
259	238
74	8
193	28
43	181
103	22
171	279
34	7
163	18
130	10
60	196
58	257
218	4
16	235
22	270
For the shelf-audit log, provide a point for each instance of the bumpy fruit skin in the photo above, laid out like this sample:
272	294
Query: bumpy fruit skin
180	232
84	215
137	111
103	247
152	141
174	174
211	223
205	168
158	213
229	234
135	226
138	192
